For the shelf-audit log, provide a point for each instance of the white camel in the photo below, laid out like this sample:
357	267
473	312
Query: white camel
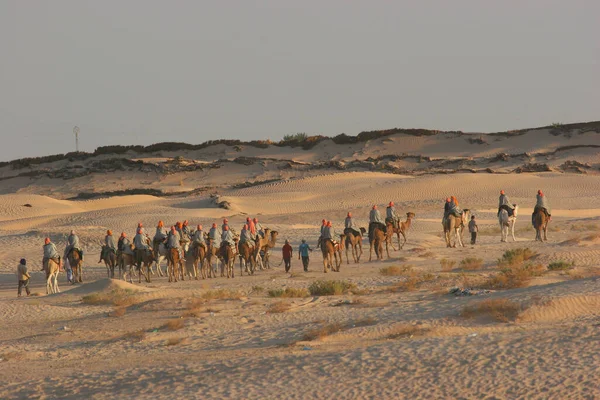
52	269
507	223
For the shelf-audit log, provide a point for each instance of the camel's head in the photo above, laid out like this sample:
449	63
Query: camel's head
410	214
363	230
274	234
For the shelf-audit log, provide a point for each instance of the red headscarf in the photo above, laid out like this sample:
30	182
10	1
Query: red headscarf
251	226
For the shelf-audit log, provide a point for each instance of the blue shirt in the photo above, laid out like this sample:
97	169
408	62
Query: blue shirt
303	249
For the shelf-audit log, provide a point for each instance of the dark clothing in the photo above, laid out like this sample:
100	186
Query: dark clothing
509	210
288	264
287	251
374	225
305	260
473	237
351	231
23	284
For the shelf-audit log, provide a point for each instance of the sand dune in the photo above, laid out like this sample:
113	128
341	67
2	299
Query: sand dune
397	333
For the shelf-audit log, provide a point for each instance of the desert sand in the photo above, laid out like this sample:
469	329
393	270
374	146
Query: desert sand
397	333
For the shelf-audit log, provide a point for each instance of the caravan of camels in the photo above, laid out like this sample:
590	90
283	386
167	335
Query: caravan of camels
195	253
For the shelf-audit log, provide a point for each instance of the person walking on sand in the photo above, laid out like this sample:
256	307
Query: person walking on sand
287	255
23	277
473	228
303	252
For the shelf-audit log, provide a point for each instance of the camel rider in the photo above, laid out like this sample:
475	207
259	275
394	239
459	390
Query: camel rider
227	240
140	243
186	229
323	226
246	236
73	244
375	221
251	228
125	245
391	215
213	234
541	203
159	236
174	241
198	239
349	226
451	207
141	226
109	245
504	203
225	224
50	253
329	232
258	227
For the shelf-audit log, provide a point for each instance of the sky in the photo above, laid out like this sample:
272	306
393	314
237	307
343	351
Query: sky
146	71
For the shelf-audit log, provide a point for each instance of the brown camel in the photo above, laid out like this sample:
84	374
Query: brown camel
52	268
456	225
265	245
247	258
129	265
330	252
402	229
212	256
198	256
74	258
174	265
379	238
110	260
228	257
540	224
353	243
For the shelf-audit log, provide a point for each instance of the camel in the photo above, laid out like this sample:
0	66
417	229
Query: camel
228	261
402	229
540	224
247	258
174	265
331	251
198	258
265	245
160	256
377	243
507	223
455	224
212	255
110	260
52	269
128	263
75	262
353	243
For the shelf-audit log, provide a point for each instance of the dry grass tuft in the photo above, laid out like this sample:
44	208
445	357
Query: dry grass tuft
222	294
447	265
515	276
174	324
395	270
471	264
116	297
407	330
428	254
323	331
175	341
516	256
278	307
135	336
288	292
585	227
330	288
560	265
257	289
501	310
117	312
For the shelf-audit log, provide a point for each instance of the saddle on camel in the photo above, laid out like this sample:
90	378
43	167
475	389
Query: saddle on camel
349	227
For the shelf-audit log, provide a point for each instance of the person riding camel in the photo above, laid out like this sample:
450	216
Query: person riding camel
213	234
504	203
198	239
174	241
125	244
227	240
159	236
185	229
259	229
391	215
140	226
375	221
109	245
451	207
251	227
541	203
246	236
73	244
50	253
349	226
140	243
225	224
323	225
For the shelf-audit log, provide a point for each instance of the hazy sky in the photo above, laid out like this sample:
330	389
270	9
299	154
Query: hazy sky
139	72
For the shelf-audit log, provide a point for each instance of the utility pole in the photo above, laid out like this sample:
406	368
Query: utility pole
76	132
